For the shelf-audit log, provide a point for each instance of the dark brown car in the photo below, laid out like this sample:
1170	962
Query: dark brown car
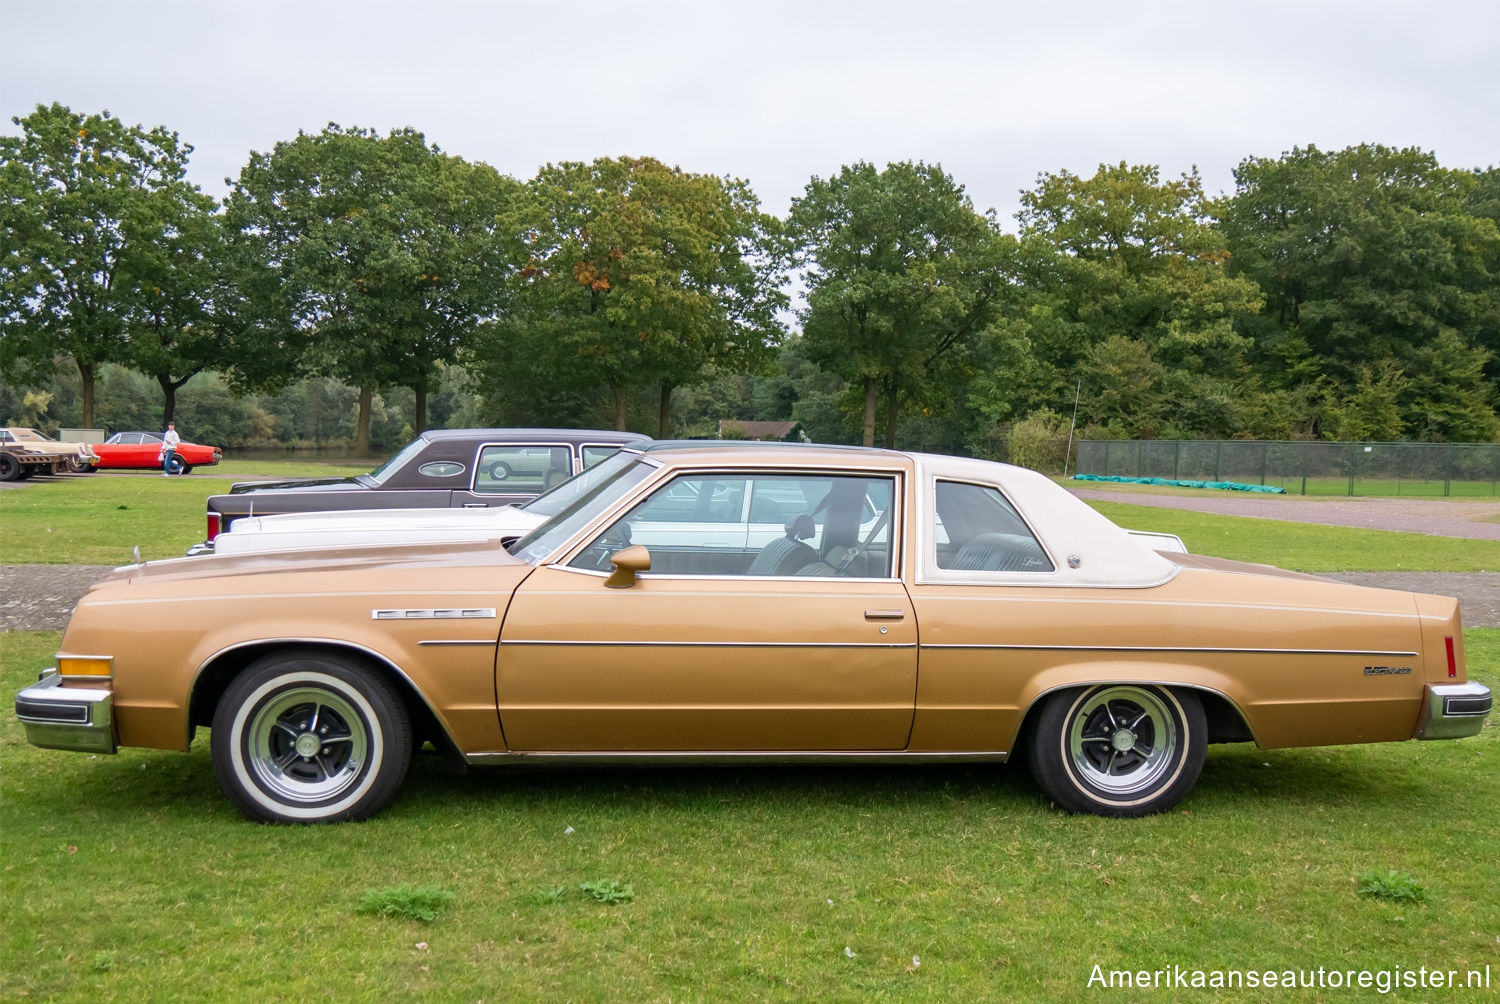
441	468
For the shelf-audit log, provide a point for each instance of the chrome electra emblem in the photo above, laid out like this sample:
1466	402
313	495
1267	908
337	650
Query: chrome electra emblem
435	614
1387	670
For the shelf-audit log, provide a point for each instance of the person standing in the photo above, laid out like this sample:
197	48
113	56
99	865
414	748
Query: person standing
169	443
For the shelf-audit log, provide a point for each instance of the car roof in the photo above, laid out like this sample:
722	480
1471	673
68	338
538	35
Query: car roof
571	435
719	449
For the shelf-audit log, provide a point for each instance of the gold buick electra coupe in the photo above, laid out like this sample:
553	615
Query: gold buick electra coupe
696	602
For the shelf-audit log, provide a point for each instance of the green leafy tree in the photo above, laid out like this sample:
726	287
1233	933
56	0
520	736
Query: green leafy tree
366	258
636	275
174	332
1366	255
87	204
1369	412
1125	262
903	276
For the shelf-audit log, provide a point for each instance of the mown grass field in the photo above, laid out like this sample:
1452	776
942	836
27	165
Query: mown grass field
92	520
95	519
130	878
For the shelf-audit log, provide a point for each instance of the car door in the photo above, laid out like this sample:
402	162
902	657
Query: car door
733	660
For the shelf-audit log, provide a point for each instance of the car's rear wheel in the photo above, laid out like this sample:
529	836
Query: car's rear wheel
310	737
186	469
176	466
499	470
1118	749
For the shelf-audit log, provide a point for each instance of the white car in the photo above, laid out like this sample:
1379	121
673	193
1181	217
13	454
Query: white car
730	512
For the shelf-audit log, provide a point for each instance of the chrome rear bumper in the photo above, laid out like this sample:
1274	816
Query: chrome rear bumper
1455	710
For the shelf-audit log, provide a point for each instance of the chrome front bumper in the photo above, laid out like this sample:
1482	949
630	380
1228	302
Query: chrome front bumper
67	718
1455	710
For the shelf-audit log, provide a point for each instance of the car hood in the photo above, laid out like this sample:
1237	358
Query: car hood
366	528
300	485
467	553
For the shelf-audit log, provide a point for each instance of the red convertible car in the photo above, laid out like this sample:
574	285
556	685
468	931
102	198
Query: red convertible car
141	449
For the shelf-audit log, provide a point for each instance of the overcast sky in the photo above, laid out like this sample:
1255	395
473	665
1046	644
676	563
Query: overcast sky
776	92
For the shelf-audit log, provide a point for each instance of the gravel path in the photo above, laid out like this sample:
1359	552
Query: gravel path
1476	519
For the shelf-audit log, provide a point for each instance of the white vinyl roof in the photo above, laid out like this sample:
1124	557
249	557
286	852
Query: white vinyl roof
1086	549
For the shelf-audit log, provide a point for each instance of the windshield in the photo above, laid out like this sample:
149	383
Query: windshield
391	466
556	499
578	501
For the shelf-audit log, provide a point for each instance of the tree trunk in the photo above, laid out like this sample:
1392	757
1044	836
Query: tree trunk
664	415
168	398
86	379
419	410
618	392
869	439
362	427
892	414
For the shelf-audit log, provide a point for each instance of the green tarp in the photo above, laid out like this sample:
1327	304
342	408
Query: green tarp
1229	486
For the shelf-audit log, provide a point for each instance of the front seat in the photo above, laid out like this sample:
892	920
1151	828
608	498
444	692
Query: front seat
841	551
784	555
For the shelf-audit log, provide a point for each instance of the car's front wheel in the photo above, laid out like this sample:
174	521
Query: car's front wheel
1118	749
310	737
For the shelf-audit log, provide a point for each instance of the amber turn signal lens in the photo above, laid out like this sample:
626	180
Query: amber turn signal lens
84	665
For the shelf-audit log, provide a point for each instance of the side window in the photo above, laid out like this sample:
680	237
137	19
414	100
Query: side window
505	469
595	452
774	525
978	530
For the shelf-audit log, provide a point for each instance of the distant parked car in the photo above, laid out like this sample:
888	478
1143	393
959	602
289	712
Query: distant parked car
81	456
143	449
441	468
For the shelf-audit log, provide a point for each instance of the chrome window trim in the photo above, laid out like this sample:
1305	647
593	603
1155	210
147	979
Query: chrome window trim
897	473
550	444
932	509
691	577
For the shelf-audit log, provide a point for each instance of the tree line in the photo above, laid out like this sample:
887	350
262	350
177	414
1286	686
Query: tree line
1347	294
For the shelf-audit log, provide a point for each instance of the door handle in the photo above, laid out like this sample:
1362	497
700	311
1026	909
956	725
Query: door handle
475	505
885	615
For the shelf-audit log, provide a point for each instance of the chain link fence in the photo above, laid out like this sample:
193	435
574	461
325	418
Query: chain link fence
1305	468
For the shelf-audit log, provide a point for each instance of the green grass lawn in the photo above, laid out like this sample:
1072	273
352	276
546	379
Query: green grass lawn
130	878
1309	547
95	519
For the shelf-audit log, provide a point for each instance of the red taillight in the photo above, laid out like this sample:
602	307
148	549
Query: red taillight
1452	661
213	531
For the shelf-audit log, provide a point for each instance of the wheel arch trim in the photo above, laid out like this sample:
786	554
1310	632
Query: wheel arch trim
1041	694
408	687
